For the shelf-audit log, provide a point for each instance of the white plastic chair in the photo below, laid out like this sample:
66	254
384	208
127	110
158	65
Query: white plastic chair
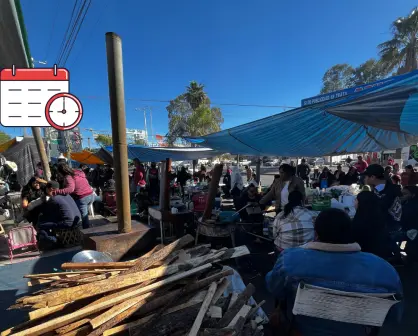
355	308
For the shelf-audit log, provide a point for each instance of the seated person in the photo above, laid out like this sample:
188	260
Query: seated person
250	197
326	179
293	226
351	177
315	177
334	262
59	211
32	194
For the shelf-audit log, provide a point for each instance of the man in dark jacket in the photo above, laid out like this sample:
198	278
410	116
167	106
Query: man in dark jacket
59	211
303	171
390	202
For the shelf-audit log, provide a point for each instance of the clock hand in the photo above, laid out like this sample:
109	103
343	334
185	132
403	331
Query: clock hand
63	103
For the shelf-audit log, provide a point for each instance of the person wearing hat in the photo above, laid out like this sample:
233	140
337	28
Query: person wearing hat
59	211
389	202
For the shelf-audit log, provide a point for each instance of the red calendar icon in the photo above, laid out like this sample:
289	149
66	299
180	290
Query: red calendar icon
38	98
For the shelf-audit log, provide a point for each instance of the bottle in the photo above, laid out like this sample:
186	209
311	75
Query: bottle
266	224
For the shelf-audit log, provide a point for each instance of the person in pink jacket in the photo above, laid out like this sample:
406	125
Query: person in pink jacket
77	186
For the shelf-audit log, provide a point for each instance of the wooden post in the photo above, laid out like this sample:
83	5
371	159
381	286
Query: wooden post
258	170
118	118
213	189
36	131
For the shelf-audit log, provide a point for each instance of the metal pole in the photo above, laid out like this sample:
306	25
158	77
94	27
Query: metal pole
25	133
118	118
36	131
258	170
145	123
89	143
152	132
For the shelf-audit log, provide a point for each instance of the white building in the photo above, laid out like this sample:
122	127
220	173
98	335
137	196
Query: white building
133	135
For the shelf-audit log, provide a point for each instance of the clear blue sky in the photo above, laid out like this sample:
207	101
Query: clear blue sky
265	52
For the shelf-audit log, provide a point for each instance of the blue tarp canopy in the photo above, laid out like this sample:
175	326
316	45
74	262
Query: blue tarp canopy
156	154
375	118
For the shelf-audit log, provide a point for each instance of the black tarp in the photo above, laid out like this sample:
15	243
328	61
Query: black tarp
26	156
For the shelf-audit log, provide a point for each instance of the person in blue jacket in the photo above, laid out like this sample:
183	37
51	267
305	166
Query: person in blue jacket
333	261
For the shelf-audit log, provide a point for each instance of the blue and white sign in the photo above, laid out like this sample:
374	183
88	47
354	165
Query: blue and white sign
350	91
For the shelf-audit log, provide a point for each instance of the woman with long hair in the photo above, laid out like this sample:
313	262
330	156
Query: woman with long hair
76	185
369	226
293	226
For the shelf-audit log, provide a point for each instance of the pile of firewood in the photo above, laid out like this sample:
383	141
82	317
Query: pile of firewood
170	290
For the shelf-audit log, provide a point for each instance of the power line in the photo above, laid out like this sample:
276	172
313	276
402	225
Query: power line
91	33
76	34
48	48
220	104
66	31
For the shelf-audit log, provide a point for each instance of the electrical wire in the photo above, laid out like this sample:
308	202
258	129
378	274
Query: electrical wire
218	104
48	48
66	31
76	34
100	16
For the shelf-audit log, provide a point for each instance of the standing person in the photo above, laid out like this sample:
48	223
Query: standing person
303	171
287	183
388	172
237	184
249	172
153	181
389	196
369	225
139	175
409	177
77	186
410	221
361	166
339	174
227	183
182	177
396	169
95	178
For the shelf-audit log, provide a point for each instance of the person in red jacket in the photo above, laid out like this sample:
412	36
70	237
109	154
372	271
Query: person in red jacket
139	175
77	186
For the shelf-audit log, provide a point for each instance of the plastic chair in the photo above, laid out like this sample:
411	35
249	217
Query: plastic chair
355	308
21	237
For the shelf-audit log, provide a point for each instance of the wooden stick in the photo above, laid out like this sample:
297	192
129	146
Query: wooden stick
145	263
194	301
79	314
83	331
72	326
68	274
203	309
94	266
220	290
155	249
99	287
236	307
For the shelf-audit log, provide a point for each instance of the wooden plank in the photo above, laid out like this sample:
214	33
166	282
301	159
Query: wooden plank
236	307
234	297
203	309
243	312
220	290
96	266
82	331
194	301
215	312
57	275
145	263
81	313
104	286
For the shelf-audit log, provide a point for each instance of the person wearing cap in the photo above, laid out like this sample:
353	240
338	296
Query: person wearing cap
389	201
59	211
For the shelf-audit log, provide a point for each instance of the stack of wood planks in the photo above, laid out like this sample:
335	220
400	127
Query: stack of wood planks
171	290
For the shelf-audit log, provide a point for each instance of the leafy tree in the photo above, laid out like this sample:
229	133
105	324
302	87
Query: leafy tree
104	140
190	114
4	137
338	77
370	71
141	142
401	52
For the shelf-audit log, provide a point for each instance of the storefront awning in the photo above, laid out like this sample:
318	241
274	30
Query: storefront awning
156	154
371	120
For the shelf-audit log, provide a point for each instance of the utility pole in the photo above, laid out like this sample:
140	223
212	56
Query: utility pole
152	132
144	109
118	118
36	132
88	143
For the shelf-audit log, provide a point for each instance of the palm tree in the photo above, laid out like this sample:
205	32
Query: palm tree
400	53
195	95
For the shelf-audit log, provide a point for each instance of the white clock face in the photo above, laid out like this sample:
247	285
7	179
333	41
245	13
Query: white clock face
64	112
